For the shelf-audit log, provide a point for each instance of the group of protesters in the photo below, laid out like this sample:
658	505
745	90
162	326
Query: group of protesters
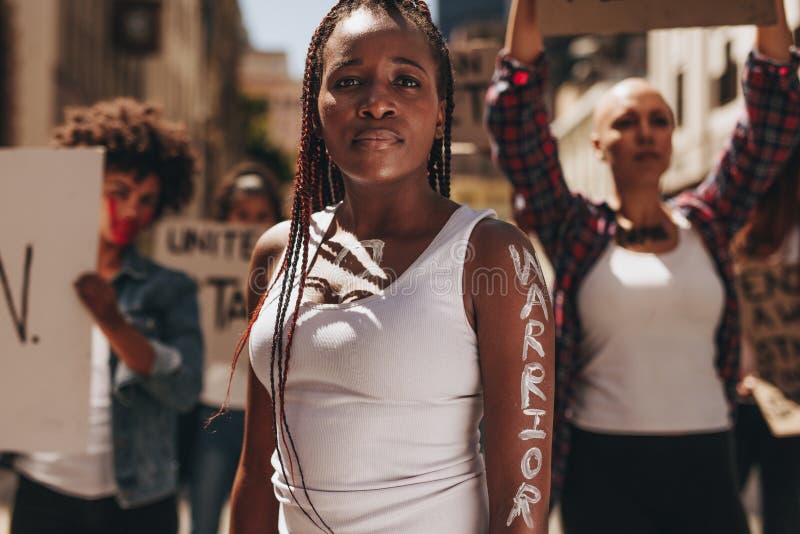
385	388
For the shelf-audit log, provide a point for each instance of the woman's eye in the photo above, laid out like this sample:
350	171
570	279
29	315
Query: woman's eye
661	122
118	193
149	201
621	124
407	81
347	82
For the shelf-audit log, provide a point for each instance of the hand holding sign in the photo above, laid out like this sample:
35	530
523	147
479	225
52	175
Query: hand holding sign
99	298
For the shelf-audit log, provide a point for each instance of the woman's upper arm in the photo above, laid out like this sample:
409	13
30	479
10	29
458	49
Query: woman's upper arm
253	506
516	342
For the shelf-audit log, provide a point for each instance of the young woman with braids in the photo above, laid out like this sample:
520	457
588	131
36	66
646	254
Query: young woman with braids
767	261
647	320
379	343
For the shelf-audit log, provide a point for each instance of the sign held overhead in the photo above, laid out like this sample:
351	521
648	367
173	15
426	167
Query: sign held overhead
572	17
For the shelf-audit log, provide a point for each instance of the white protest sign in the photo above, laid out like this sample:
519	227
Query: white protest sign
572	17
49	214
217	256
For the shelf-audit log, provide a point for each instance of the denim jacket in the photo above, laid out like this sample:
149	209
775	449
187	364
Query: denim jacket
161	304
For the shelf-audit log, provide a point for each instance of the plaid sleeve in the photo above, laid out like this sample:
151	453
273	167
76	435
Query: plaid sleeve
525	149
761	143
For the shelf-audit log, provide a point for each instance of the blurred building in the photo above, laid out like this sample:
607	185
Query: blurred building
455	14
264	76
178	53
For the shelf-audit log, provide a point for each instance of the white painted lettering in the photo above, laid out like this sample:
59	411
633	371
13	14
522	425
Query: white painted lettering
534	453
535	298
532	375
530	339
526	496
535	432
523	271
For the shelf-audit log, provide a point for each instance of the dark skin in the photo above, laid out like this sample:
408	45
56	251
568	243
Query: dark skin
633	126
379	114
136	201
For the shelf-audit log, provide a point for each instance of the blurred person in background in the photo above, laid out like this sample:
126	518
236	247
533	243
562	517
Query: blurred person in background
248	194
147	348
647	321
767	256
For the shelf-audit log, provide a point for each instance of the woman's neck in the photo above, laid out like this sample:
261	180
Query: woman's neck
642	208
389	209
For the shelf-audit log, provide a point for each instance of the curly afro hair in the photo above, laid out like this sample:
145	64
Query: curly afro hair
137	139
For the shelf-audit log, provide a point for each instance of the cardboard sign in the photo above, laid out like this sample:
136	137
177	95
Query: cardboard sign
572	17
769	294
782	415
217	256
49	213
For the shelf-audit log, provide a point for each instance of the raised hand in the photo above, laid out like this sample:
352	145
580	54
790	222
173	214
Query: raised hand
99	298
774	41
523	38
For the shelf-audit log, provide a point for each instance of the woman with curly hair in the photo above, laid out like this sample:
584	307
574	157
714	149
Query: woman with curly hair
394	319
147	347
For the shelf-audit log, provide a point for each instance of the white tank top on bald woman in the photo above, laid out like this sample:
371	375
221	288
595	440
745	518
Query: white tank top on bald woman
383	400
650	321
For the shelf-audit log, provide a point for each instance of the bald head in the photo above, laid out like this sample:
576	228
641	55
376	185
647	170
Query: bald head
626	94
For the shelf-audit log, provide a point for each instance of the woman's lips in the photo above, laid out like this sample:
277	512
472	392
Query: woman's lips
377	139
646	155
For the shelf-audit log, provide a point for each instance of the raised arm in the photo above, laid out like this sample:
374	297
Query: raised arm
518	124
514	323
254	508
763	139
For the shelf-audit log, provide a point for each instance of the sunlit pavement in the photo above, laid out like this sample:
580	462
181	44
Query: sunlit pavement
8	484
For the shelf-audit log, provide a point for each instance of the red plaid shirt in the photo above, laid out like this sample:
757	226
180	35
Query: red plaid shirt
575	231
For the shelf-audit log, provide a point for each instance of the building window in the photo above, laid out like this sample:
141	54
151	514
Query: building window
728	83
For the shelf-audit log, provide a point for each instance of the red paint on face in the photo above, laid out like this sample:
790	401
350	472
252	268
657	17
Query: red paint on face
124	230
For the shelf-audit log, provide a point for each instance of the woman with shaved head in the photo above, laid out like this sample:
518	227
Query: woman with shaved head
646	315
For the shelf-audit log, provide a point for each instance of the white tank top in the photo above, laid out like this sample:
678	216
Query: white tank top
649	323
383	400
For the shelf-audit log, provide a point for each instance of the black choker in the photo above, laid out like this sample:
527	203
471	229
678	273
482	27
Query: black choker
640	234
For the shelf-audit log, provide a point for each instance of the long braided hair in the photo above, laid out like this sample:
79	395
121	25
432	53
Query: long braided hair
319	183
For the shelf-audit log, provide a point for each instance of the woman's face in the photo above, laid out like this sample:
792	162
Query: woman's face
633	133
129	206
251	208
378	104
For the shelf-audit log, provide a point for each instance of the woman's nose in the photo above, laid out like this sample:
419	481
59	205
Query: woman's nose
645	132
377	104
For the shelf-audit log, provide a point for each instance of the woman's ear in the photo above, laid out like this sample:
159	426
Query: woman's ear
440	119
597	148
